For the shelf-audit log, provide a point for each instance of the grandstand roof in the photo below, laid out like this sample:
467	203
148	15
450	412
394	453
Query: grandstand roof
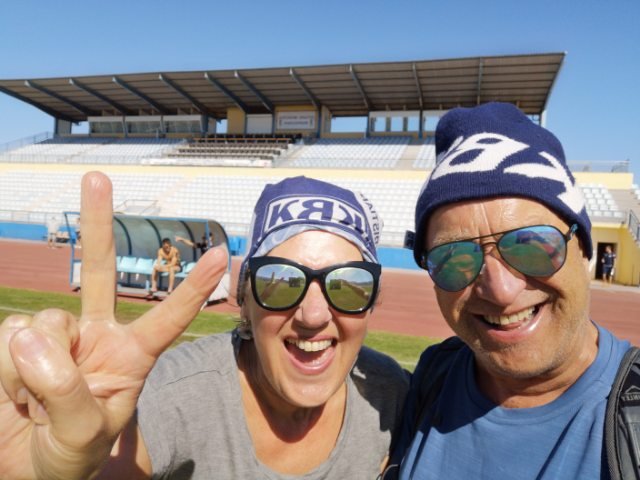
346	90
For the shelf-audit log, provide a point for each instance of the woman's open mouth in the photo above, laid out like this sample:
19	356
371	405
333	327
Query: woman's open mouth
311	356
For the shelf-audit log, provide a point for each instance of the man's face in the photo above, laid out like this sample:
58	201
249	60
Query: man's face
518	327
166	246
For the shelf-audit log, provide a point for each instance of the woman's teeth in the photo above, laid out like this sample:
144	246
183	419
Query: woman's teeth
523	315
309	346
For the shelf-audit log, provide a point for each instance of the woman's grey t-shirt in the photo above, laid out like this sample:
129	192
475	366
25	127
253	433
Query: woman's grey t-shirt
191	416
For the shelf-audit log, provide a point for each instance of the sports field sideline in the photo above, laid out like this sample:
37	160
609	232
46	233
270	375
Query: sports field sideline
407	303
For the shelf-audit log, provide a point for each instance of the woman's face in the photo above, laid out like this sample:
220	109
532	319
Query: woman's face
306	352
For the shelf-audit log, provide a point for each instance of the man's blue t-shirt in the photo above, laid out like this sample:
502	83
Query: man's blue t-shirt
475	439
608	259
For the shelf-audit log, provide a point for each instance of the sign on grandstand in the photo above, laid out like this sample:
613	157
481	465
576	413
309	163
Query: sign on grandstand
305	120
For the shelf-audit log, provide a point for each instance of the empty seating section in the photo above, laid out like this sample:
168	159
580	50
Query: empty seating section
225	150
229	150
91	150
426	158
134	270
600	202
55	150
228	199
39	193
149	188
135	148
395	202
378	152
58	192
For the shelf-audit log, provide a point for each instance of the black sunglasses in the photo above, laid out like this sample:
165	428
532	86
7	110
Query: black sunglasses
280	284
536	251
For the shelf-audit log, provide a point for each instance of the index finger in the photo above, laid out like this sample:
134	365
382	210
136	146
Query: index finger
98	274
160	326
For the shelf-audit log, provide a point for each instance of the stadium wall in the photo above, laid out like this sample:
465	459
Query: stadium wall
627	266
613	181
297	108
235	121
23	231
628	261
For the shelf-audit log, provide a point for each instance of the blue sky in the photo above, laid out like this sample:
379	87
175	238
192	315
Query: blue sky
594	108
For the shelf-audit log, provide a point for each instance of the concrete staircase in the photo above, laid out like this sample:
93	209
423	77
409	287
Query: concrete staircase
627	200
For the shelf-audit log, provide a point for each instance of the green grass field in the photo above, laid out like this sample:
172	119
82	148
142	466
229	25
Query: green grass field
405	349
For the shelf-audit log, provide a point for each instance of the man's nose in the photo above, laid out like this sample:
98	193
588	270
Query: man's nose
497	282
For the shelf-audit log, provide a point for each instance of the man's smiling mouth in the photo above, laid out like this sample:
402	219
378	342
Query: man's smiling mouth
514	320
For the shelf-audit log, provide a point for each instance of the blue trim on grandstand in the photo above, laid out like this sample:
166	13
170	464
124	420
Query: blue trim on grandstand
392	257
389	257
23	231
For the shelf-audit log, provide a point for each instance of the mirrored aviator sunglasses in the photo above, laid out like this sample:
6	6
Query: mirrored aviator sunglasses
535	251
280	284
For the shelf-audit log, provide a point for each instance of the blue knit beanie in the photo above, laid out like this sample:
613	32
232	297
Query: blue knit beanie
298	204
494	150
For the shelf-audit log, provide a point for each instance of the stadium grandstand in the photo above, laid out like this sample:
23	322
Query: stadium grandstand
202	144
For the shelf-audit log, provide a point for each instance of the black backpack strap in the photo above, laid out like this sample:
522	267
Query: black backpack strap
622	420
433	376
429	379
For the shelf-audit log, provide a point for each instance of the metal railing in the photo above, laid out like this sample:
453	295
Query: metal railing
30	140
619	166
634	225
25	216
8	155
138	206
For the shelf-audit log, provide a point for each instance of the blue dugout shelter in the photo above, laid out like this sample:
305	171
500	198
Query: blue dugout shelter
138	239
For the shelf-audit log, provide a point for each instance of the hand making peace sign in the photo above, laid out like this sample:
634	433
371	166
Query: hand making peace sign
70	386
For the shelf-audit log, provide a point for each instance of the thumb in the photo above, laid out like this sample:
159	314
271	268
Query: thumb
160	326
53	378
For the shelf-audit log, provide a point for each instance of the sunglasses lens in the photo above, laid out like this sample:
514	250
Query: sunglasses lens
350	289
453	266
279	286
537	251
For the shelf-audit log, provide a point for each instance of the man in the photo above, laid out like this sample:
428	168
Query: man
203	245
168	261
53	224
608	263
503	231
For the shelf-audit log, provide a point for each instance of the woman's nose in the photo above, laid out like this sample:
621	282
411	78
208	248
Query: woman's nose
313	311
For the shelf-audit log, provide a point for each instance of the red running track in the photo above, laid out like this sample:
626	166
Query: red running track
407	303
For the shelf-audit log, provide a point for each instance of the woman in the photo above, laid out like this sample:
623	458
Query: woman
290	393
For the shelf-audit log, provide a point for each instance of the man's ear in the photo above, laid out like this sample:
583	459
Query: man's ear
586	262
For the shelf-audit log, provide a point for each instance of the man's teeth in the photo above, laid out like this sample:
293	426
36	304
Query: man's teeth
308	346
507	319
